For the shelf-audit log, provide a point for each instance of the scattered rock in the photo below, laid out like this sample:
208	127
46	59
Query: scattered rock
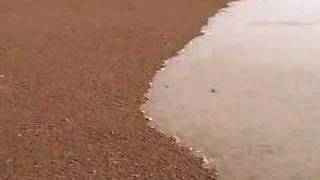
66	119
107	135
2	76
135	175
8	161
213	90
52	126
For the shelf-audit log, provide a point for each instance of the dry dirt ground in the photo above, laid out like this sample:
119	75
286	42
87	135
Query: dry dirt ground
72	78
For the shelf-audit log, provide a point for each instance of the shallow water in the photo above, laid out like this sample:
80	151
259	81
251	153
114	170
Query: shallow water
247	93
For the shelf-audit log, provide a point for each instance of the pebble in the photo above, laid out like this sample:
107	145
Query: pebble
66	119
8	161
2	76
148	118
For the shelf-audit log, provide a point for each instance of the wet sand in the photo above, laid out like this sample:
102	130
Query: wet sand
72	79
246	94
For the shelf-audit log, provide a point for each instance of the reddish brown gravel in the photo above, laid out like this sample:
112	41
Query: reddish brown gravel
72	78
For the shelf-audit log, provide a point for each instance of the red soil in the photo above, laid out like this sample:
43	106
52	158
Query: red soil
73	76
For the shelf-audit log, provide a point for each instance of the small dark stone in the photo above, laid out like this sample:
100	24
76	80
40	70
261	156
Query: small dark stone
213	90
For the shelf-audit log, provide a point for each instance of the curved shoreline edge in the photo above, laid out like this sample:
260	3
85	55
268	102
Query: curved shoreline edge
208	163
